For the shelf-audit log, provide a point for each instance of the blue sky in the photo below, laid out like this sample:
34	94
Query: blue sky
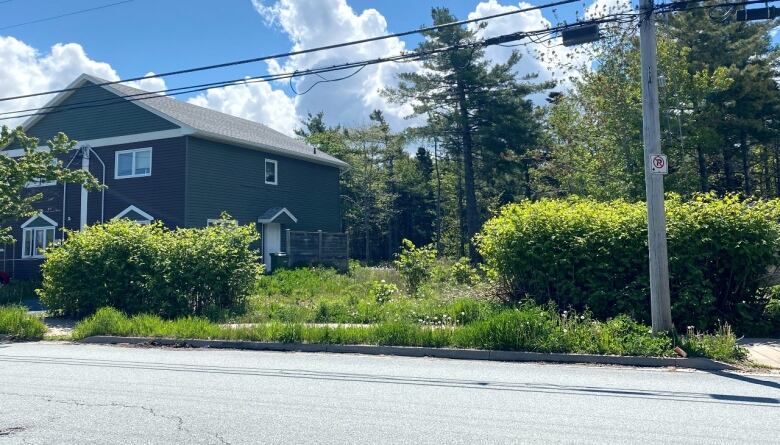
141	36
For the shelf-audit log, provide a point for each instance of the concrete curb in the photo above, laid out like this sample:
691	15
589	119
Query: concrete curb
703	364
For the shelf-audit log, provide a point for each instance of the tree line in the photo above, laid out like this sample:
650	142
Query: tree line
483	143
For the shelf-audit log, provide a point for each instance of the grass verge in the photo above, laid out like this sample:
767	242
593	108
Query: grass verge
17	324
525	328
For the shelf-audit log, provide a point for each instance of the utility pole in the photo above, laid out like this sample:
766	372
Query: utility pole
660	305
438	194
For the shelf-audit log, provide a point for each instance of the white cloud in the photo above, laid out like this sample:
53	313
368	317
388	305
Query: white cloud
548	59
24	70
316	23
254	101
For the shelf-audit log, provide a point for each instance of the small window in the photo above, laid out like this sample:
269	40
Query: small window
35	240
133	163
40	182
221	222
133	213
270	172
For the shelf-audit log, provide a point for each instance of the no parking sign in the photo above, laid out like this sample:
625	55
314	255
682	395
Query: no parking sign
658	164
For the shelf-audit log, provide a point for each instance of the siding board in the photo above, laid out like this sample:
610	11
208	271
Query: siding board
117	119
222	177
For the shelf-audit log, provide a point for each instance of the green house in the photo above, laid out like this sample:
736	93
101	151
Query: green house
168	160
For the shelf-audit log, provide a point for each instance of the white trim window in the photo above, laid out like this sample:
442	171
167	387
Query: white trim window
35	240
271	172
133	163
145	218
222	222
40	182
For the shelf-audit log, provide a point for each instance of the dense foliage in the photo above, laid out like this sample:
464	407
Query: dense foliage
16	200
584	253
148	268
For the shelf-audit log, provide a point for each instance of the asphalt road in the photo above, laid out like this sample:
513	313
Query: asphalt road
62	393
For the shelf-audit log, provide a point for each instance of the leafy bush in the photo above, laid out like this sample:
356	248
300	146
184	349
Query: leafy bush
16	323
582	253
415	264
148	268
463	272
771	317
382	291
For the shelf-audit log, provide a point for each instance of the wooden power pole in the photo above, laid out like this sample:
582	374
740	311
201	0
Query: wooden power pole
655	166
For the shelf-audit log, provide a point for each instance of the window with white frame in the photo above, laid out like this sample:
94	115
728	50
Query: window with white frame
135	214
38	233
40	182
221	222
271	176
133	163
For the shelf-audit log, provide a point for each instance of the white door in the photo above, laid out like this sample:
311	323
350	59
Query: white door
272	243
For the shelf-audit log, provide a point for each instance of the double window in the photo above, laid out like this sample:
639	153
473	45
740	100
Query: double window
38	233
133	163
222	222
36	240
271	176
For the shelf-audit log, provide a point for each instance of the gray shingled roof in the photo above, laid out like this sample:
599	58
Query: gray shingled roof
224	126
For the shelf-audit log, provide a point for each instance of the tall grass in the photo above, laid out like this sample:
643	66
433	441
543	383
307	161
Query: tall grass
17	324
525	328
17	291
323	296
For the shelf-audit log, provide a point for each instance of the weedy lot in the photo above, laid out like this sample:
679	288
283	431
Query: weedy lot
454	307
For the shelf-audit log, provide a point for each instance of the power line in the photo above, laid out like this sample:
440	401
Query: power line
145	95
304	51
403	57
68	14
626	17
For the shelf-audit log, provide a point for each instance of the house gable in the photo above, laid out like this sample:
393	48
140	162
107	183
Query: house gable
94	113
39	220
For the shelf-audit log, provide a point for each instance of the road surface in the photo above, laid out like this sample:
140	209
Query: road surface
66	393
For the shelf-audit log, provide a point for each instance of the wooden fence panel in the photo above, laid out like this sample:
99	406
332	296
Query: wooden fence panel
318	248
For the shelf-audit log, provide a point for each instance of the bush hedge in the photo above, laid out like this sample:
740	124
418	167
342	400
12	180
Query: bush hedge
150	269
583	253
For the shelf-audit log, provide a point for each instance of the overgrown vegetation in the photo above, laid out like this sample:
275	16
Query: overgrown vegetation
366	295
150	269
415	264
583	253
16	292
17	324
527	327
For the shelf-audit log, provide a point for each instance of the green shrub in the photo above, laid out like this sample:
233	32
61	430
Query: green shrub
148	268
463	272
16	323
382	291
16	292
415	264
582	253
771	317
